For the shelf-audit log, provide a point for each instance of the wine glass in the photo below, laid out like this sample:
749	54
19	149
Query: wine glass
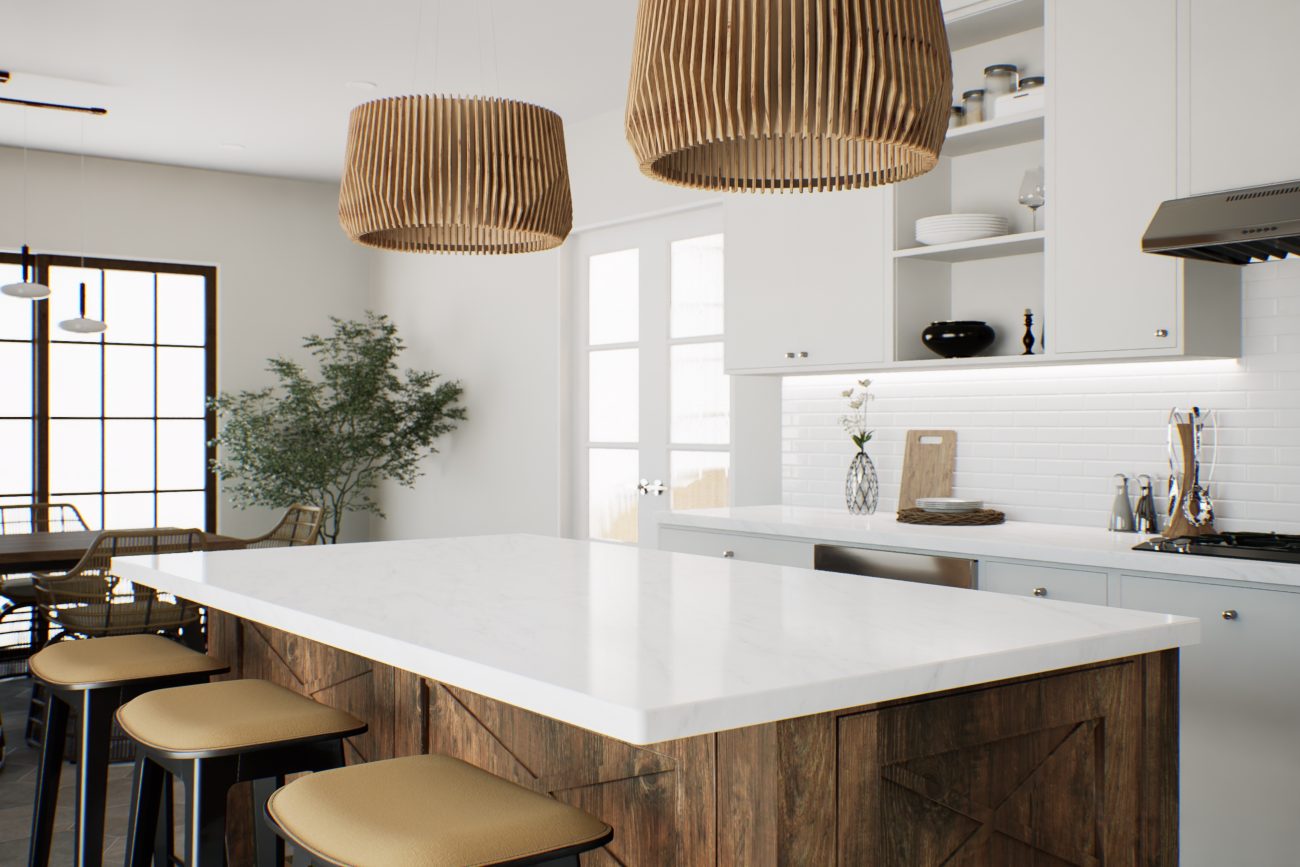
1031	192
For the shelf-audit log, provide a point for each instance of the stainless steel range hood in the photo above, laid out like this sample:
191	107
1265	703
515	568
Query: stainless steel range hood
1235	226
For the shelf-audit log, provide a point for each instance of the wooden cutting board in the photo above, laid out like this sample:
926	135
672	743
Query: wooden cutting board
928	460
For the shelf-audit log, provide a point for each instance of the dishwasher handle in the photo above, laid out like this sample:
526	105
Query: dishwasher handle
896	565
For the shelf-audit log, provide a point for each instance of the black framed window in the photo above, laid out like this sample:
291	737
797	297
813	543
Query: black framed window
114	423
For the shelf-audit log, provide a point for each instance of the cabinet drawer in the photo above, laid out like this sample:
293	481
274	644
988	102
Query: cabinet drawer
1048	582
756	549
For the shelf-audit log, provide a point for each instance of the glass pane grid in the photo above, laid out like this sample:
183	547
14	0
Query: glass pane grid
128	422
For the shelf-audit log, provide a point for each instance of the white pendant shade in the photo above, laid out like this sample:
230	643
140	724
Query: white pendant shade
82	325
26	289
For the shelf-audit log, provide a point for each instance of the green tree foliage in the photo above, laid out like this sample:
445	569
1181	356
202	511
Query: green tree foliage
330	441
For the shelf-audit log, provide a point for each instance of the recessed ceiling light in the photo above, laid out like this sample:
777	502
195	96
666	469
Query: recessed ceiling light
360	85
232	146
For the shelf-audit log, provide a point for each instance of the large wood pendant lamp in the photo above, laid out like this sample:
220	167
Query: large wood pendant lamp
741	95
437	174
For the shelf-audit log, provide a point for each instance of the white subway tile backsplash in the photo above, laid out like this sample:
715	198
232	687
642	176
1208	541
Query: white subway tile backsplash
1043	443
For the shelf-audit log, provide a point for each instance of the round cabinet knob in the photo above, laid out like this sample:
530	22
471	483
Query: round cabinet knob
1230	614
1040	592
728	555
789	355
1162	332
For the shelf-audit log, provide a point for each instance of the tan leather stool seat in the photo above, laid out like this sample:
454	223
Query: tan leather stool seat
96	662
228	717
431	811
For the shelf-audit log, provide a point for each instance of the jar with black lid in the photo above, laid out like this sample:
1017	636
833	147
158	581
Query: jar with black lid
1029	82
956	117
1000	79
972	102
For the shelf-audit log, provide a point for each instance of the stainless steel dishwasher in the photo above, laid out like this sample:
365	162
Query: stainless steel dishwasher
896	565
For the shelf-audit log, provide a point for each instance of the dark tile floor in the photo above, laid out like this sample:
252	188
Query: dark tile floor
18	786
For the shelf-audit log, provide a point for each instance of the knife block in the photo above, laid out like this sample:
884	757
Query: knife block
1178	523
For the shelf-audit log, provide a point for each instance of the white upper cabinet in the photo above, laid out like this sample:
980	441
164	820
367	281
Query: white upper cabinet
805	281
1114	139
1243	65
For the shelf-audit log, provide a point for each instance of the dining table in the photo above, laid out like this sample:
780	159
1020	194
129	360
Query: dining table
60	551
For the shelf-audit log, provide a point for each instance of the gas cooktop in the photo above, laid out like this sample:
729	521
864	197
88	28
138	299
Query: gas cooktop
1251	546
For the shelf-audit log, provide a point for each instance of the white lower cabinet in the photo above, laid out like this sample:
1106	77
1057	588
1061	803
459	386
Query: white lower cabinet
755	549
1044	582
1240	720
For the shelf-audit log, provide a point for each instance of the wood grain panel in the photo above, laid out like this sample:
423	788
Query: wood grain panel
1076	767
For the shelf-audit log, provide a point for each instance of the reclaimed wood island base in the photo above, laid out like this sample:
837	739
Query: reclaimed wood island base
1069	767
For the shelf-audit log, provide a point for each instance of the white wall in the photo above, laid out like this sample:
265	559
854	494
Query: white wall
1042	443
283	263
493	323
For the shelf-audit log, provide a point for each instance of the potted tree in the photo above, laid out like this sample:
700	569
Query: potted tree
330	440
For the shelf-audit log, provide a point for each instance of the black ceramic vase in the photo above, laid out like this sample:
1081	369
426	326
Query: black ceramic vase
958	339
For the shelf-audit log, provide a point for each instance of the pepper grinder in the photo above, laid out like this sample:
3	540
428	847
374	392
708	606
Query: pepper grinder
1145	511
1121	510
1028	339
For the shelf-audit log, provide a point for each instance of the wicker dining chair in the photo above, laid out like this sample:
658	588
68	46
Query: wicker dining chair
88	600
300	526
22	629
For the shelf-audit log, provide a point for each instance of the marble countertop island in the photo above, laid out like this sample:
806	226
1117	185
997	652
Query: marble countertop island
646	646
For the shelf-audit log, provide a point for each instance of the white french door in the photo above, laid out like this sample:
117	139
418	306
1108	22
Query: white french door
652	407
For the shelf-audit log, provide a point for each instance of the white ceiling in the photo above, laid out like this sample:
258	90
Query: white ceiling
262	86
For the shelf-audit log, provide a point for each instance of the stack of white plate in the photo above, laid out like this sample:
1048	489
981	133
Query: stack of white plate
948	505
952	228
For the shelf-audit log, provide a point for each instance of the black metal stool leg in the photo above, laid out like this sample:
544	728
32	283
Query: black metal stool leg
146	801
207	782
268	847
47	781
164	844
97	706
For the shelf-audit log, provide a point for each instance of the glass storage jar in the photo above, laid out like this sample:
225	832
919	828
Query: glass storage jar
972	102
1001	78
956	117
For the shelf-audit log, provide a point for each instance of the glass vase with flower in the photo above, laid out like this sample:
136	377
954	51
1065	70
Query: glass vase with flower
861	485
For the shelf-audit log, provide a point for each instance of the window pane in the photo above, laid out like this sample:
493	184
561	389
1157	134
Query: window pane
15	378
74	456
701	395
65	292
700	480
613	297
128	306
75	384
128	455
128	381
182	314
697	287
15	313
89	505
182	455
181	383
612	494
16	446
128	511
182	510
613	411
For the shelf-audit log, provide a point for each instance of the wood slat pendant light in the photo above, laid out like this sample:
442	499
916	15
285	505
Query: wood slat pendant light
438	174
743	95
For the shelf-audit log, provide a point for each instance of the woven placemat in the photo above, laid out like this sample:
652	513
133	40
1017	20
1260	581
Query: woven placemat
958	519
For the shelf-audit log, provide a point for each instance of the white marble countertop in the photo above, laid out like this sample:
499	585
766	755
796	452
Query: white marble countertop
1016	540
644	645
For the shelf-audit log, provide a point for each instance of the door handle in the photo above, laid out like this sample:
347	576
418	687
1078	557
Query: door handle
656	487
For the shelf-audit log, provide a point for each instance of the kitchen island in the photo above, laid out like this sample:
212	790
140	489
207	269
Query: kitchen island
722	712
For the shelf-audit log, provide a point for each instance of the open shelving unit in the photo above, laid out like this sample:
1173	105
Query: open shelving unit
980	170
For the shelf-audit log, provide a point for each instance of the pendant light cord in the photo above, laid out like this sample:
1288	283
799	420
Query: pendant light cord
415	61
83	210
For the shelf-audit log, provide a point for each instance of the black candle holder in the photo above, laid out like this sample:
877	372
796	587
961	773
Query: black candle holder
1028	339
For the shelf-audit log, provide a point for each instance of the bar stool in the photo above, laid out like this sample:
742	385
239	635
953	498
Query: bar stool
212	736
96	676
427	811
